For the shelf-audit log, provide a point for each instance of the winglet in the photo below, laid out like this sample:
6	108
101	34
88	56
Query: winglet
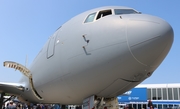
17	66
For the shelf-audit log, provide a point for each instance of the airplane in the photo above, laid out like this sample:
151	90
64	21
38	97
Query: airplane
94	57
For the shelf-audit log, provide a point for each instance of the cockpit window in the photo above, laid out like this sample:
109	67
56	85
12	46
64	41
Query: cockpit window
90	18
124	11
104	13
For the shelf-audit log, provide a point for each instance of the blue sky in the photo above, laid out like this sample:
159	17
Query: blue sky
26	25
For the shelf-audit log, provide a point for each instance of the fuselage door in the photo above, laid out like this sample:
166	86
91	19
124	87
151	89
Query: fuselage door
51	45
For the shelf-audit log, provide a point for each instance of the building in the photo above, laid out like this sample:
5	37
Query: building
163	96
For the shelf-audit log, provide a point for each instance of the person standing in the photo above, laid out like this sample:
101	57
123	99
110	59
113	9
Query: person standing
150	105
11	105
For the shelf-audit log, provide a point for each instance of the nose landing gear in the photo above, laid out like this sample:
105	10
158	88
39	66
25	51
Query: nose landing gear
94	102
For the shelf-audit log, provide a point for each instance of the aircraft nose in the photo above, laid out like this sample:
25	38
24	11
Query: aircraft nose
150	39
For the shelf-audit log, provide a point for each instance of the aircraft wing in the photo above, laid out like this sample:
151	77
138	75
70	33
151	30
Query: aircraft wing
11	88
14	88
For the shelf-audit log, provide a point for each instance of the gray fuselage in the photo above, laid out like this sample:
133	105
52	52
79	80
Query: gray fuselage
105	57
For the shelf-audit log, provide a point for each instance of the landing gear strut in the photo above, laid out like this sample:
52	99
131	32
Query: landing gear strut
100	103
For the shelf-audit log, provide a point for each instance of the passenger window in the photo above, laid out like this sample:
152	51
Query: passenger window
90	18
103	13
